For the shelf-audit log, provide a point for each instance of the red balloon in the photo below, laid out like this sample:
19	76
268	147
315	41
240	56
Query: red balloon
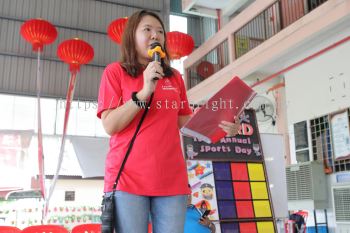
179	44
38	32
116	28
75	52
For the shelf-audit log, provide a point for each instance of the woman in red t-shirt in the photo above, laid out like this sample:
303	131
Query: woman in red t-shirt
154	179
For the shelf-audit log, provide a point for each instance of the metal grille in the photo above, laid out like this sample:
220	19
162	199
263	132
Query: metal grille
312	4
261	28
217	58
292	185
272	20
321	140
342	204
299	182
322	147
305	182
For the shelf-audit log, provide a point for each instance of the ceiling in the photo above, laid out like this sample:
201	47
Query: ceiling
208	8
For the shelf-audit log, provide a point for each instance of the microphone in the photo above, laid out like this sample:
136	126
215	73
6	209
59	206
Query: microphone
156	53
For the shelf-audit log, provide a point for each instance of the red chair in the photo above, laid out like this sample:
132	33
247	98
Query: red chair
289	226
87	228
9	229
45	229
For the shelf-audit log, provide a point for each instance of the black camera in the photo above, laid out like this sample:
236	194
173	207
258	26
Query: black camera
107	214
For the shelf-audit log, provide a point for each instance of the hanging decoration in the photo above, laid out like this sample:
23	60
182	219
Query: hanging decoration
116	28
39	32
75	52
179	44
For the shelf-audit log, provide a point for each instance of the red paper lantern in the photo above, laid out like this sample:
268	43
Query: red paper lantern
75	52
179	44
205	69
38	32
116	28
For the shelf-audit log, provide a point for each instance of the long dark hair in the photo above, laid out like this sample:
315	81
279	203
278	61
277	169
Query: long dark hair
128	50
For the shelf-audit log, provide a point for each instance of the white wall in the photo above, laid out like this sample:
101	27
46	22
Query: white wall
87	192
317	87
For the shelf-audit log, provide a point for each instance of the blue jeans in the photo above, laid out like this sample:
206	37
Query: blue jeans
133	212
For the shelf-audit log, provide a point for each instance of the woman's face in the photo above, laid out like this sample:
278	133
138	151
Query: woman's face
147	32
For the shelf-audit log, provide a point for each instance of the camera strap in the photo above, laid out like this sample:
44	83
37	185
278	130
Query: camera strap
132	143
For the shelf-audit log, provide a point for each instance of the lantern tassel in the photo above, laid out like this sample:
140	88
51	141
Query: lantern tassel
40	136
69	99
40	139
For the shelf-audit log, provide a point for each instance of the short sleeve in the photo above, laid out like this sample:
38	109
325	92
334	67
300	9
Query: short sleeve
185	107
110	93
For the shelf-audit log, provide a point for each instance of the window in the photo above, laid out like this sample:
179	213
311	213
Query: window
82	119
178	23
69	196
20	113
302	156
24	113
321	142
48	116
72	122
312	4
322	145
7	104
70	165
301	142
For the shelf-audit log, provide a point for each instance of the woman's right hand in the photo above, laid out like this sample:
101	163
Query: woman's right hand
153	70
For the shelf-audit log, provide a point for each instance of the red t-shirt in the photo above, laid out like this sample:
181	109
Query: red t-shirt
155	166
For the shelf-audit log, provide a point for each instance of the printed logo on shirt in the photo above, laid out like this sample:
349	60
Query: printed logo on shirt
167	86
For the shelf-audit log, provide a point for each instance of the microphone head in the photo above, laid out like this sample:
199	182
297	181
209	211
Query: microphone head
155	44
156	47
